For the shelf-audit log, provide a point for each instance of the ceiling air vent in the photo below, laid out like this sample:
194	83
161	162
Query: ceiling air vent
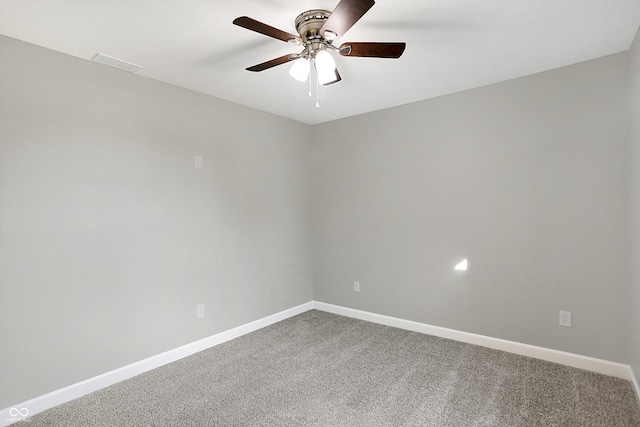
117	63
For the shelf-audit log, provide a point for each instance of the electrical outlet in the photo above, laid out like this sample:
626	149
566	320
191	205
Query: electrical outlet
356	286
199	311
565	319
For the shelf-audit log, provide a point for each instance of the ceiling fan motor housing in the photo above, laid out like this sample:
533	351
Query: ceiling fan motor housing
309	23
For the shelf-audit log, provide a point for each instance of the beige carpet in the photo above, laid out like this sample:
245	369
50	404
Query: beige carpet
320	369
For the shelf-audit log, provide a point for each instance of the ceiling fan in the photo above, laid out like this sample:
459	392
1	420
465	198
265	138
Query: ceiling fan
317	30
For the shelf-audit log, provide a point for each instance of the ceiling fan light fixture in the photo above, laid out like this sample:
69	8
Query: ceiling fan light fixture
325	62
300	69
326	67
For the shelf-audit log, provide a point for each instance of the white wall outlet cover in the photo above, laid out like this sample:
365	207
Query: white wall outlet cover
200	311
565	319
197	160
356	286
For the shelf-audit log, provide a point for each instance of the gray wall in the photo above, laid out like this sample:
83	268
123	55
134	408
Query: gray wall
528	179
110	237
634	341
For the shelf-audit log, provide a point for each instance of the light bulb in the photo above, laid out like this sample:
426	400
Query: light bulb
300	69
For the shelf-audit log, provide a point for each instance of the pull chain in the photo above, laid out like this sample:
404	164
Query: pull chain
311	68
317	89
317	94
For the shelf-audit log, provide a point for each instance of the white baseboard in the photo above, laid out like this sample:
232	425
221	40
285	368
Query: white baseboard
634	382
74	391
31	407
605	367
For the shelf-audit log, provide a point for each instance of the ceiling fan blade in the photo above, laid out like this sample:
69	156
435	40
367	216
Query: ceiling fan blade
267	30
374	50
346	13
277	61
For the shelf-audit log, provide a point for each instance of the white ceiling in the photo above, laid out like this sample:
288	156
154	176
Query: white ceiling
452	45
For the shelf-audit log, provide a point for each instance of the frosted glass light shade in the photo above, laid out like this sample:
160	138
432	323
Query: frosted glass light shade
300	69
326	67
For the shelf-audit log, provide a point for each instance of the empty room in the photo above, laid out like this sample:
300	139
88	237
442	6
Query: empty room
320	213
